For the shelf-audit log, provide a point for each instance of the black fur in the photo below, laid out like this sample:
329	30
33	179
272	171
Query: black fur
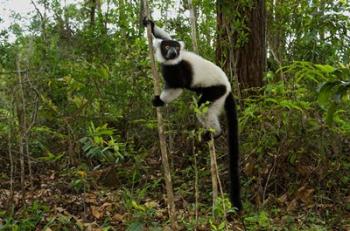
146	22
168	46
178	75
209	94
235	188
181	76
157	102
207	136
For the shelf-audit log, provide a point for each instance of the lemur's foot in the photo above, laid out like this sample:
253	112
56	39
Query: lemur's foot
147	21
207	136
157	102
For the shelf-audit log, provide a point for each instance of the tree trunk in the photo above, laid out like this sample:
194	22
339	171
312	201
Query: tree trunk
92	12
193	26
275	32
249	61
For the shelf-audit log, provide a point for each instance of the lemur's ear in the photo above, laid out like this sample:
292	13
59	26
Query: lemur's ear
182	44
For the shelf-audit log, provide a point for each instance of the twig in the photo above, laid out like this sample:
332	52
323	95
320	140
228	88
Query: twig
36	100
268	177
12	72
196	191
37	10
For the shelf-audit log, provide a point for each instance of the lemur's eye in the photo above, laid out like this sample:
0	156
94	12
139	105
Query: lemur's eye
167	47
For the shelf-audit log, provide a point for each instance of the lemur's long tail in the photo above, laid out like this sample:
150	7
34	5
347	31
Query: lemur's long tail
233	140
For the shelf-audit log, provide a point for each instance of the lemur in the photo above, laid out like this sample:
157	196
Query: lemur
183	69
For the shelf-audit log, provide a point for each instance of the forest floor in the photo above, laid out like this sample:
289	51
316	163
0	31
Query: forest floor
73	200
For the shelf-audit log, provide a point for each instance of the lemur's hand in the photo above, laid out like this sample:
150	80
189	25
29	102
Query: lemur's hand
147	22
157	102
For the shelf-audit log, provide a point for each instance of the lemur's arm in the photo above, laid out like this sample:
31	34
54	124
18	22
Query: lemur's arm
167	95
157	32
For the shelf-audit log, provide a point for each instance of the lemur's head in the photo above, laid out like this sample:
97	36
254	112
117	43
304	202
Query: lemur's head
168	51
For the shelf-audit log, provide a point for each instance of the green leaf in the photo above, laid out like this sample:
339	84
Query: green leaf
330	114
325	68
325	93
136	226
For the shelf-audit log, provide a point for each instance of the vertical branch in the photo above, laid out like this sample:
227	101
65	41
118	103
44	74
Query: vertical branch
29	162
162	140
21	110
233	66
9	137
193	26
219	182
213	169
31	124
196	191
212	152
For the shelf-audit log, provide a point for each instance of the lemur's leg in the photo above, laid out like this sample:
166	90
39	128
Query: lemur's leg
210	119
170	94
216	97
167	95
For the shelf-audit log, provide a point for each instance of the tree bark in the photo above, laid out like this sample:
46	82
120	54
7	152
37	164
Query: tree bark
193	27
250	57
92	12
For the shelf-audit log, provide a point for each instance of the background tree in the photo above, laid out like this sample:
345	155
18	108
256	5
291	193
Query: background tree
241	27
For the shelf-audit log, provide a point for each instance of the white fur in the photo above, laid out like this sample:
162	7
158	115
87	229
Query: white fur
205	74
159	56
170	94
210	119
160	33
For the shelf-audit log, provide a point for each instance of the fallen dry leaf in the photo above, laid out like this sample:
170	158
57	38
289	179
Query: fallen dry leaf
106	206
305	194
96	212
118	217
151	204
292	205
60	209
282	199
92	227
249	168
347	199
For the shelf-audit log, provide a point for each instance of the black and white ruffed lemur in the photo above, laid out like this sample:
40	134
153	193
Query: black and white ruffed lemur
183	69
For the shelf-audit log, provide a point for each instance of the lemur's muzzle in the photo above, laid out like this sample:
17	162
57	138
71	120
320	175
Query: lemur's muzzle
172	53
